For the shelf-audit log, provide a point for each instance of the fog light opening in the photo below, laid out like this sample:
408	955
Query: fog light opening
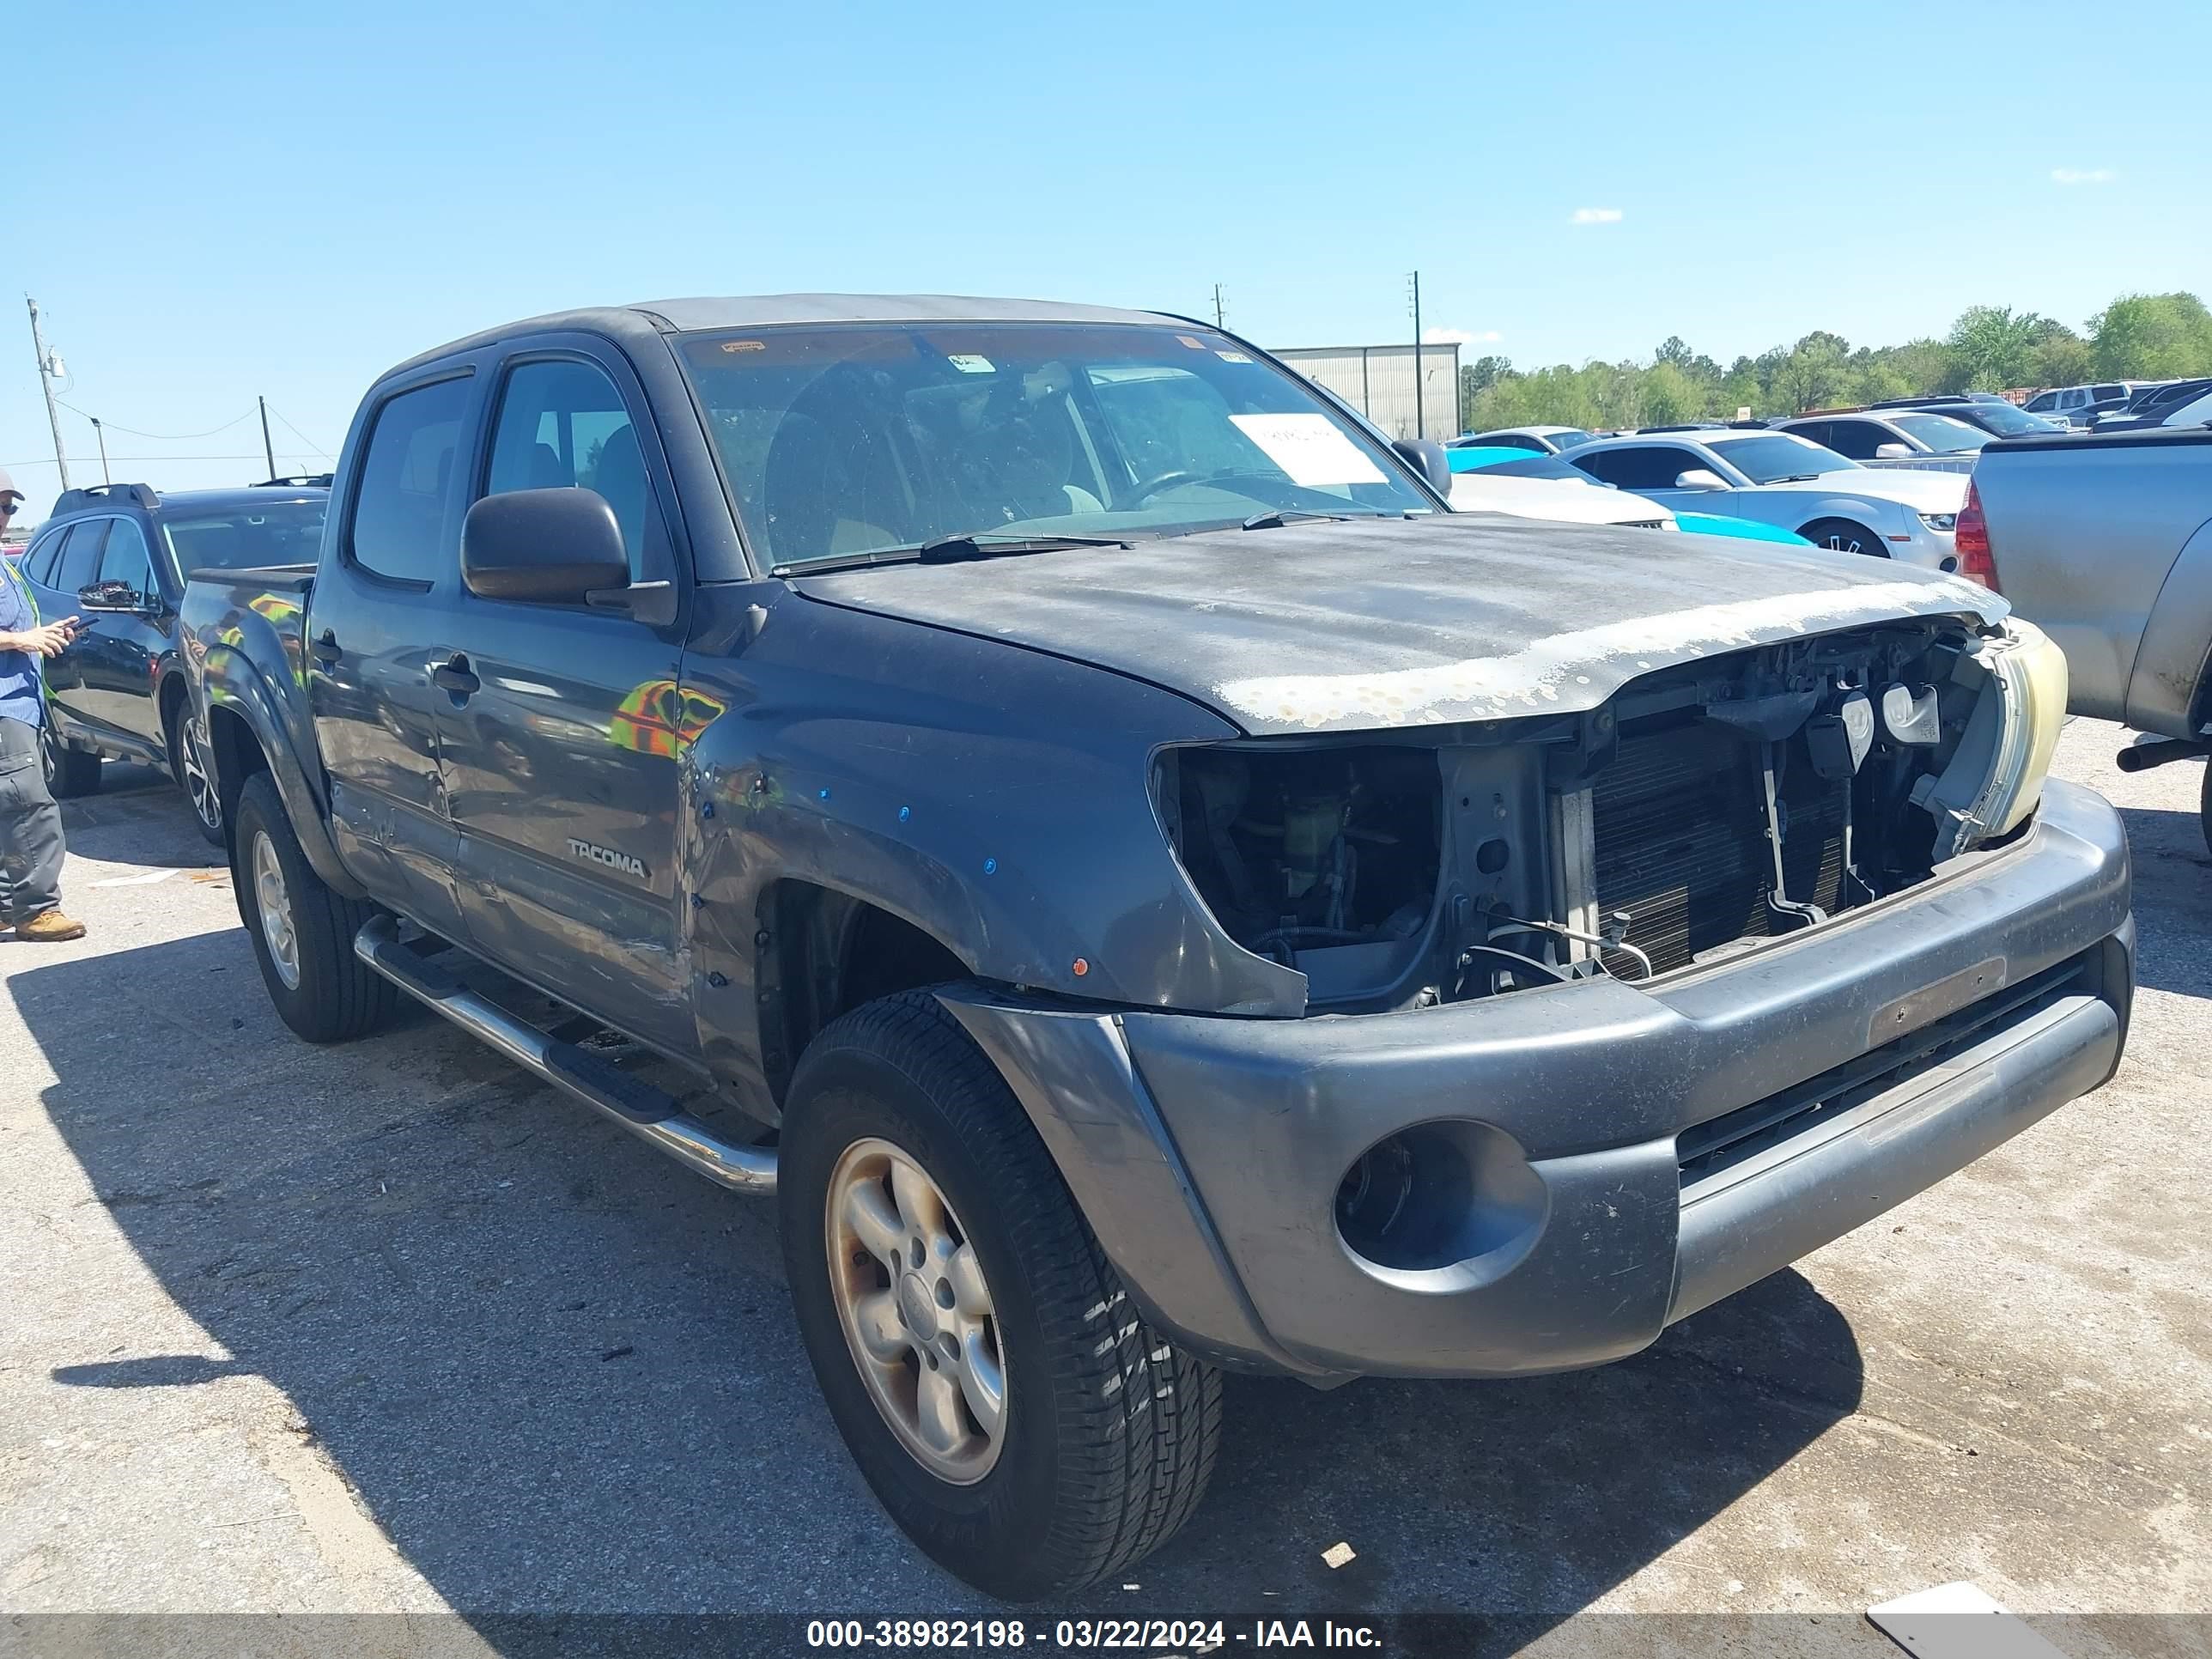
1438	1195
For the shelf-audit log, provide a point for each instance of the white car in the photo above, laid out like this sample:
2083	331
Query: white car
1565	501
1536	440
1901	438
2198	413
1778	478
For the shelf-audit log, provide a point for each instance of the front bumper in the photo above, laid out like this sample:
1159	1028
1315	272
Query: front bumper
1646	1152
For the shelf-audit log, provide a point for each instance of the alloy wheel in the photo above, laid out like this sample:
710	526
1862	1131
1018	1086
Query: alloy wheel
917	1315
274	901
198	786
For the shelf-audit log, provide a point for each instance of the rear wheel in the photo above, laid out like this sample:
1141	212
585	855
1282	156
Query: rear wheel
69	772
302	931
1843	536
1006	1403
2204	807
188	765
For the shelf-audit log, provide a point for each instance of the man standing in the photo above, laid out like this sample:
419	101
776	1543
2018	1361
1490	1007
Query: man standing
30	823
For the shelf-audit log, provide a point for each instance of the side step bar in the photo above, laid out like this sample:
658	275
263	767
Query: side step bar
644	1110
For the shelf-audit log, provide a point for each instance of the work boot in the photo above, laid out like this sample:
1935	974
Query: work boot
49	927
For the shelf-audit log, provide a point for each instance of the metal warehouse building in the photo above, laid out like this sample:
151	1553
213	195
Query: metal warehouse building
1409	390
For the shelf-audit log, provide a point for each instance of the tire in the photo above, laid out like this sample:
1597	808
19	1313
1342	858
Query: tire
188	766
1109	1434
2204	807
69	772
1844	536
321	990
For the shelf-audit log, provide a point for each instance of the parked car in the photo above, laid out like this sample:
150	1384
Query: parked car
1783	479
1992	414
2105	541
2197	413
2075	404
2155	405
1536	440
970	745
1910	438
118	555
1512	481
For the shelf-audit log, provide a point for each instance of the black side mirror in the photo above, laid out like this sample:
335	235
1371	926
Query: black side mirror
542	547
113	598
1428	459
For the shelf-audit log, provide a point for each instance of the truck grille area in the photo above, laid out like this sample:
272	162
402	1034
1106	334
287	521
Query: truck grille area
1679	827
1713	1147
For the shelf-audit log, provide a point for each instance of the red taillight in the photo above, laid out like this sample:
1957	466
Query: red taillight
1970	539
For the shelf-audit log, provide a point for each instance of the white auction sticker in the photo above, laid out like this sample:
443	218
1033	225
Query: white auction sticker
1309	448
969	363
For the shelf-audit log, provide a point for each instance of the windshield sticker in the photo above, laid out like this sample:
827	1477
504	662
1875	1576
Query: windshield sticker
745	345
1309	449
1194	344
969	363
1232	356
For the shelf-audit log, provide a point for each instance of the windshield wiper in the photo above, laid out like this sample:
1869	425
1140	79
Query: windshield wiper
1795	477
1276	517
942	550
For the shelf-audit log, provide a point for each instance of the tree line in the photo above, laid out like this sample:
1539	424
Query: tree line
2139	336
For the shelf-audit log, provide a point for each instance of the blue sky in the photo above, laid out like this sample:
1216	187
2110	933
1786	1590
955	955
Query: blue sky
213	201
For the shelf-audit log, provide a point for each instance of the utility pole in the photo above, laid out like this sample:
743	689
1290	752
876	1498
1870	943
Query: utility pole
1420	417
47	386
100	433
268	453
1220	316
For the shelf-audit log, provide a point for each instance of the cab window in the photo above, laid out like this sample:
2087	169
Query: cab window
409	482
562	424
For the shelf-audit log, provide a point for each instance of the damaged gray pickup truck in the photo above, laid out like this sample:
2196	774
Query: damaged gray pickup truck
1053	798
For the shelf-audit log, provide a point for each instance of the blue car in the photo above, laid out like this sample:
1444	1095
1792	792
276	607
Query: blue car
1520	464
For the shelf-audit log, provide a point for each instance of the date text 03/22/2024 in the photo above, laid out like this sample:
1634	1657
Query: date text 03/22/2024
1156	1637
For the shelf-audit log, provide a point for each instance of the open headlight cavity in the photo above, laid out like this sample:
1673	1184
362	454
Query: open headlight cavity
1996	772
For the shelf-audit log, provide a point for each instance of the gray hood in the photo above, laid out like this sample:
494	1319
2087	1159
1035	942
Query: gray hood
1334	627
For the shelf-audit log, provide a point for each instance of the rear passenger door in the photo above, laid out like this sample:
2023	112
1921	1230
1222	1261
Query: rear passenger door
562	761
374	625
56	583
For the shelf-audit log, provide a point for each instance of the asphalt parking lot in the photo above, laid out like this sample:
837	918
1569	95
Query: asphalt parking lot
391	1328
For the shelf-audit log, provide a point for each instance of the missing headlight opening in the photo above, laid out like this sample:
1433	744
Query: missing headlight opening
1705	810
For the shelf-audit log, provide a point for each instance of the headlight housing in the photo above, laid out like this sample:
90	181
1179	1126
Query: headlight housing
1944	522
1997	769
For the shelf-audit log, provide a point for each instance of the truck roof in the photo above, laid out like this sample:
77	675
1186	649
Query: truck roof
683	316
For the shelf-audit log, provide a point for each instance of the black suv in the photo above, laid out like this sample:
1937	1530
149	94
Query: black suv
117	556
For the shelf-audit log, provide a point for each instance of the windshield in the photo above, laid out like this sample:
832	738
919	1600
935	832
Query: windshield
1769	459
1568	437
2008	420
241	538
1941	433
843	440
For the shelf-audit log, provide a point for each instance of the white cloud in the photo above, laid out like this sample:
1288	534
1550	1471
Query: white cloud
2082	175
1461	336
1595	216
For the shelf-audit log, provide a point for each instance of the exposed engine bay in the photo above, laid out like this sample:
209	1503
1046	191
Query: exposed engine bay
1706	809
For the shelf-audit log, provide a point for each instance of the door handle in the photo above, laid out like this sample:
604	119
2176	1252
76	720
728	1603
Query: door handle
326	650
453	675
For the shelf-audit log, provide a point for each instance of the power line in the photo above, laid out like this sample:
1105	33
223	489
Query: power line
48	460
316	447
158	437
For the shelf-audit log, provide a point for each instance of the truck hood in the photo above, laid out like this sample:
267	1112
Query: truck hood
1922	490
1335	627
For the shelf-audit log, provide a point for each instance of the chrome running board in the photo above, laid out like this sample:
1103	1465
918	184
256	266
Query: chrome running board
648	1113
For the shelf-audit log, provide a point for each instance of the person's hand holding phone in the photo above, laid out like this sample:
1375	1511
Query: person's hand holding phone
51	638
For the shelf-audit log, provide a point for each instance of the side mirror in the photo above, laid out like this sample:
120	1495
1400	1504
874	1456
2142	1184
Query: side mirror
113	600
542	547
1699	477
1427	457
1893	451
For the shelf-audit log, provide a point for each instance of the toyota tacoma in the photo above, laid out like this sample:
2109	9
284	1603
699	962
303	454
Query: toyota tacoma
1059	801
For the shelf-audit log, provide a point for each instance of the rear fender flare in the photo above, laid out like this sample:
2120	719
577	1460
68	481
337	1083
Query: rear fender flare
231	684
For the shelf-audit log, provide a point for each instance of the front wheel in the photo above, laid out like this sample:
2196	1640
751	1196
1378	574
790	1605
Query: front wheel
302	931
1003	1399
1842	536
